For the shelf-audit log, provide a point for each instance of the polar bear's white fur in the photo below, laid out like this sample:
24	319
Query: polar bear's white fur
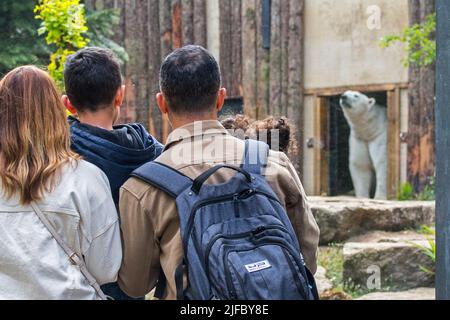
368	143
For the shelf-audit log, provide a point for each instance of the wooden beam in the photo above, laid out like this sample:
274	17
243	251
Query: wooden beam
236	48
249	67
275	59
321	182
294	88
226	45
263	67
393	147
361	88
154	60
200	25
187	7
177	30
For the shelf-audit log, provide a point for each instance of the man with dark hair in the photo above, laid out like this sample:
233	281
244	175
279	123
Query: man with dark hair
191	96
94	92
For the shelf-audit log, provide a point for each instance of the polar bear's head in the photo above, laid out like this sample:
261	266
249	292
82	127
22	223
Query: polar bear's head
356	104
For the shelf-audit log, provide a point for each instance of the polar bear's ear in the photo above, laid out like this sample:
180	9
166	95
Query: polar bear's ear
372	102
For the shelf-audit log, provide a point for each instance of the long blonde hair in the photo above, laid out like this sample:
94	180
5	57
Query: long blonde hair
34	134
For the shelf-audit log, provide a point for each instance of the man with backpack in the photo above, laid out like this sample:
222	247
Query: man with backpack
214	217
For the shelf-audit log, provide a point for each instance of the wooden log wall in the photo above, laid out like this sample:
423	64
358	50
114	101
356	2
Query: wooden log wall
268	79
421	135
149	30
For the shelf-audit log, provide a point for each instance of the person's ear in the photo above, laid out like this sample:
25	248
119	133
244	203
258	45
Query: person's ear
162	104
66	101
120	96
221	99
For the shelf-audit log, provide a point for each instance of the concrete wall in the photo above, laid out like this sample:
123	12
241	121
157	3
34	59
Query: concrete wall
341	49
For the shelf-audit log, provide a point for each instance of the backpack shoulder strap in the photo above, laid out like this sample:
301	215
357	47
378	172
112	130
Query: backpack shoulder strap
256	156
173	183
163	177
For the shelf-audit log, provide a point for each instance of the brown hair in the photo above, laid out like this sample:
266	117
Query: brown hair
286	131
240	121
34	134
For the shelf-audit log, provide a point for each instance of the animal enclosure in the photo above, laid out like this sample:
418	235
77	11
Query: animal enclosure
288	58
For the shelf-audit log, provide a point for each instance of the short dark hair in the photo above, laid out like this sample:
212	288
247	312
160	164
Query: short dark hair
190	80
92	77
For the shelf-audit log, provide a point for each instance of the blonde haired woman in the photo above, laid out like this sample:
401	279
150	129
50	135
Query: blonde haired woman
38	170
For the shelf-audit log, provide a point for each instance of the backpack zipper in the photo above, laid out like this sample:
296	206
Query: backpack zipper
240	196
235	237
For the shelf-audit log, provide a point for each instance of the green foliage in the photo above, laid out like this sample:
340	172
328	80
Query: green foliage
332	259
419	41
406	192
64	23
19	41
430	250
429	192
101	25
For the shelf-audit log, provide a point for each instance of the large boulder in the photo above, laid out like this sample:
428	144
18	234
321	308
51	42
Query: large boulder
415	294
342	218
391	260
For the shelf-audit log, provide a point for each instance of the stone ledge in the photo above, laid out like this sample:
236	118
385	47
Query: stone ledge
342	218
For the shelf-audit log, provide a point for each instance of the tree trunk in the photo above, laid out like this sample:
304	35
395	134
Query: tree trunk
421	145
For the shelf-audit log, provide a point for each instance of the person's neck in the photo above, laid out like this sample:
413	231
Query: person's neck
183	120
102	119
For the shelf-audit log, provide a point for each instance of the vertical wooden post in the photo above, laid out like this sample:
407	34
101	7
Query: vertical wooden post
177	30
187	21
236	48
295	110
421	146
443	151
249	67
226	44
200	31
154	59
166	25
320	139
263	65
393	148
275	59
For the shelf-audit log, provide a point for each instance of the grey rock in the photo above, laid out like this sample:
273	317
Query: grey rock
342	218
322	282
415	294
392	256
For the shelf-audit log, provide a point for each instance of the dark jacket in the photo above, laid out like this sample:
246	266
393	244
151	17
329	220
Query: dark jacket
118	153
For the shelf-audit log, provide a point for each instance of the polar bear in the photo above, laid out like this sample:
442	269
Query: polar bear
368	143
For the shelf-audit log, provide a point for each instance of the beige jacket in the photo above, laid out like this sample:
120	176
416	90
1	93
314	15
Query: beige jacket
32	264
149	219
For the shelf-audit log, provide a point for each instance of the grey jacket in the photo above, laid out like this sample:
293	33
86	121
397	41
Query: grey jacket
33	266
